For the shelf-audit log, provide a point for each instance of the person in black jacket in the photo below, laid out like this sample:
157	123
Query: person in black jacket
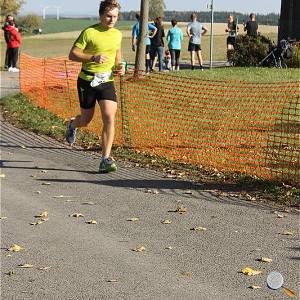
8	21
157	44
251	26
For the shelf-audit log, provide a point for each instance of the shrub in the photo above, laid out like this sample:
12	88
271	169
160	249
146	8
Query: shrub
249	51
29	22
294	62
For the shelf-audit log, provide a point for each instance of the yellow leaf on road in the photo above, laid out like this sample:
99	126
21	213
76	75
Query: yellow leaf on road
2	175
36	223
199	228
25	266
3	218
139	249
46	183
189	274
254	287
15	248
134	219
91	222
265	259
287	232
181	209
44	268
77	215
112	280
43	214
250	272
289	292
166	222
169	248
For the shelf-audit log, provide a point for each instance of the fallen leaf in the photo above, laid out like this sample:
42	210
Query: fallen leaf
250	272
286	232
38	192
25	266
23	147
88	203
2	175
44	171
46	183
44	268
10	273
91	222
62	196
188	192
166	222
169	248
112	280
139	249
3	218
77	215
199	228
289	292
134	219
265	259
33	176
15	248
36	223
43	214
254	287
69	201
189	274
181	209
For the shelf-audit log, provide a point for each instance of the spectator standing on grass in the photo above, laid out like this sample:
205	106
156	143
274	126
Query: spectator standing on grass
175	37
136	32
98	48
157	44
232	30
13	45
9	18
251	26
195	30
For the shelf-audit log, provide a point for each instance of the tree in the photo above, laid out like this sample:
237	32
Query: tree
141	45
156	8
11	6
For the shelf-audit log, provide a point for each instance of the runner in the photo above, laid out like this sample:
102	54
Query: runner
99	49
195	30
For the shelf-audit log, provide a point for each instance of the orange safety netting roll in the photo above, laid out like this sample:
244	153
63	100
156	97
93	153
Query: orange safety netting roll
253	128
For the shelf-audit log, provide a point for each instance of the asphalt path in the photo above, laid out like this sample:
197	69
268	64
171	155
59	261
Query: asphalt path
74	260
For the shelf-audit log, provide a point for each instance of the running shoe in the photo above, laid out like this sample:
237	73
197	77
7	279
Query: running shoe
107	165
71	134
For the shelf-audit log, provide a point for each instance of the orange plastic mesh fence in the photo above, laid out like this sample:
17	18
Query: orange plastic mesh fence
253	128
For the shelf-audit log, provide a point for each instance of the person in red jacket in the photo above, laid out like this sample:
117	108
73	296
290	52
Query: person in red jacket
13	46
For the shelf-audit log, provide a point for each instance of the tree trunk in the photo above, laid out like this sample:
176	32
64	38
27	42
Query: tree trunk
141	45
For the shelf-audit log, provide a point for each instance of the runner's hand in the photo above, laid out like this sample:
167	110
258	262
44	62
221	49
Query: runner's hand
100	59
119	70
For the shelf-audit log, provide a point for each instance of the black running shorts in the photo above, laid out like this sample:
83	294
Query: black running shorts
194	47
89	95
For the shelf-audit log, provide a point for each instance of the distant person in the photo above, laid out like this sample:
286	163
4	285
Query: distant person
232	30
13	45
9	20
195	30
251	26
157	45
167	60
175	37
136	32
98	48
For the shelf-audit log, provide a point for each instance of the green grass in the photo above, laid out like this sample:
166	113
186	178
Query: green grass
18	110
67	25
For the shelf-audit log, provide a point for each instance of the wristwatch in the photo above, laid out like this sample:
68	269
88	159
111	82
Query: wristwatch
93	58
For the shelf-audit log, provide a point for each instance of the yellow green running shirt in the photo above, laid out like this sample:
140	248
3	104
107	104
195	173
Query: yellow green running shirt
95	40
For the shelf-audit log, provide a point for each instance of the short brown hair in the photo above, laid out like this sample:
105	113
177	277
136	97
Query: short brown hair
108	5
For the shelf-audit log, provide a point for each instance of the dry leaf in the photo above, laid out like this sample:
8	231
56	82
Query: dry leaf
43	214
169	248
286	232
88	203
181	209
134	219
10	273
254	287
2	175
15	248
289	292
139	249
188	192
91	222
250	272
25	266
166	222
23	147
189	274
44	171
265	259
3	218
38	192
77	215
37	222
44	268
46	183
112	280
199	228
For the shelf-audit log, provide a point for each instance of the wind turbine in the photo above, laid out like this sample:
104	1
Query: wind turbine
57	11
44	12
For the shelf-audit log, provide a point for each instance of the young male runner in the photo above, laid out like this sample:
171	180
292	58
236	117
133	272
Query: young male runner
99	49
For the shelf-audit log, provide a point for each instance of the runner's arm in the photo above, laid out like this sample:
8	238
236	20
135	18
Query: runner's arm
204	30
119	67
77	54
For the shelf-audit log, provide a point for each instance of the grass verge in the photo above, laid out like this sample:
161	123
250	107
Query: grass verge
19	111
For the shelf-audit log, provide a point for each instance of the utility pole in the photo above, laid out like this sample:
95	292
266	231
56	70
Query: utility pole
211	34
141	45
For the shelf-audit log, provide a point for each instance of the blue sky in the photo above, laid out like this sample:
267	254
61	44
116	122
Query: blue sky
90	7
